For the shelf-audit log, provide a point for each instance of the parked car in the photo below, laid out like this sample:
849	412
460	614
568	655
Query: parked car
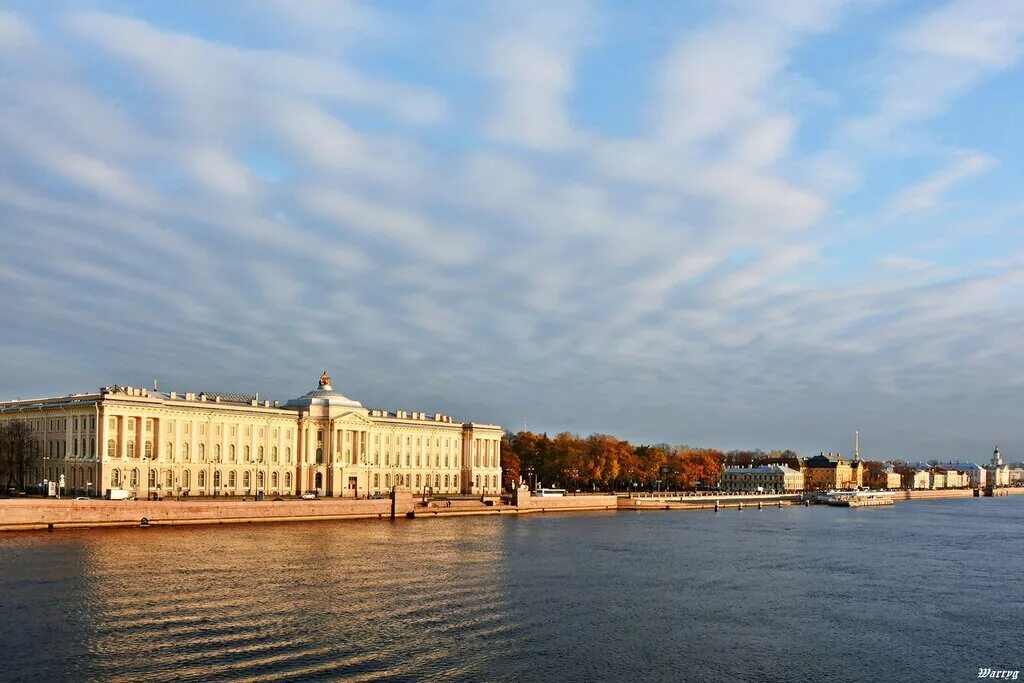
82	498
308	495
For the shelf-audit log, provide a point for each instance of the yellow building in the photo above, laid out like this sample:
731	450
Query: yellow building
170	443
832	472
761	479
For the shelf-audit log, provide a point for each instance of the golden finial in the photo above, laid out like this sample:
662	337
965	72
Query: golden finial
324	379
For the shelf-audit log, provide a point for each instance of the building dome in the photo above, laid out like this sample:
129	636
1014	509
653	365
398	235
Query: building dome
323	395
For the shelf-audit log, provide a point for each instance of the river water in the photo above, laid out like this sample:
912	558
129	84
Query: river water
919	591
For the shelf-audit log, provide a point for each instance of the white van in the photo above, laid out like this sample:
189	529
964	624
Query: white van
118	494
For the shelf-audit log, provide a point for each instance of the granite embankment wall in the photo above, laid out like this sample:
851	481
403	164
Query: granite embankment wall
49	513
41	514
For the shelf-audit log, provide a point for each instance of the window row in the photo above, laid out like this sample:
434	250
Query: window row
170	454
184	480
148	425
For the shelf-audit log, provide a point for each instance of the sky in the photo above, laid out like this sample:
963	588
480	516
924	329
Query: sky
731	224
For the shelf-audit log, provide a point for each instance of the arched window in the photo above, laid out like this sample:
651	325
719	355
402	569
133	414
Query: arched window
246	480
376	481
201	480
260	481
447	481
216	453
417	481
273	454
131	448
247	454
216	479
387	480
186	479
274	481
169	479
202	452
287	480
288	454
115	477
455	482
152	478
232	479
111	448
319	456
259	454
231	453
437	481
387	457
186	452
170	452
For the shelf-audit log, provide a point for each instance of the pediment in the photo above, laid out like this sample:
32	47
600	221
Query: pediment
352	417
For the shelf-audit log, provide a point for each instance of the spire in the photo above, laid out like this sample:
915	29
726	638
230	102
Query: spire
997	459
856	446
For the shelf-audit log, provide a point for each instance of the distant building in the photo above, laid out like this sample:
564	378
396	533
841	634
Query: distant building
1017	476
955	479
762	479
833	472
886	478
997	472
976	475
916	476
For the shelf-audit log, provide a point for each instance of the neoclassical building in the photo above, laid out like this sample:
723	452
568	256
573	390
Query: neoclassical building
206	444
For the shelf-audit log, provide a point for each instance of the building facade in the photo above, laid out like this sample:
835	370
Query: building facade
832	472
975	474
762	479
214	444
997	473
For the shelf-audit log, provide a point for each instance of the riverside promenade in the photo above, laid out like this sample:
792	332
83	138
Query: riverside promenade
35	514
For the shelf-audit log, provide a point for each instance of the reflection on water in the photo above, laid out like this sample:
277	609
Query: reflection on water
921	590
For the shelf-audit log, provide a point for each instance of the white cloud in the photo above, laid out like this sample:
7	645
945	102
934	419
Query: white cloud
721	76
927	193
939	57
532	60
15	33
215	74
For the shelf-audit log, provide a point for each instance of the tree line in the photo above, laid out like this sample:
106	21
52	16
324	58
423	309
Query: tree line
603	462
17	451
